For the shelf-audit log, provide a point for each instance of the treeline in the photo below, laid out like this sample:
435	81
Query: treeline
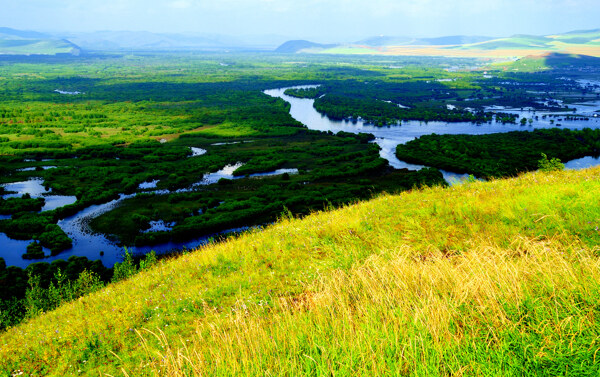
382	113
499	155
310	93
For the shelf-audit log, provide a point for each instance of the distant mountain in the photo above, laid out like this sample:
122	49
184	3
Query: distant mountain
381	41
147	41
6	32
520	41
454	40
580	42
141	40
384	40
302	45
21	42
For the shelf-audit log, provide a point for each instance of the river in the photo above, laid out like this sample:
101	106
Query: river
97	246
388	137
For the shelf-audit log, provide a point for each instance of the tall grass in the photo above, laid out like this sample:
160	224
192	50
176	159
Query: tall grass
488	311
497	278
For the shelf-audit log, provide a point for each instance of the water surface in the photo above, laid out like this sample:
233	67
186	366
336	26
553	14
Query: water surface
388	137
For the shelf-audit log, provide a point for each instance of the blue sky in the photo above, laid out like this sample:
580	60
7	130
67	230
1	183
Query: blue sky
325	20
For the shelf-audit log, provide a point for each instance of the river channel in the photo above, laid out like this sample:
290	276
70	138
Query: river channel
97	246
388	137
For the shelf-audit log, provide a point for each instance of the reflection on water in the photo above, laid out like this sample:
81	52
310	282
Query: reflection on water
11	250
197	151
148	185
89	244
36	189
275	172
33	168
226	172
33	187
388	137
582	163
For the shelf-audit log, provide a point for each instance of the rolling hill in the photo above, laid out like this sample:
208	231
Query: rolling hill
406	41
581	42
19	42
296	46
484	278
147	41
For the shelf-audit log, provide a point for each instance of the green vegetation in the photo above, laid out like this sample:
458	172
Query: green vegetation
110	123
42	227
480	279
41	287
122	121
423	279
310	93
24	203
549	165
500	155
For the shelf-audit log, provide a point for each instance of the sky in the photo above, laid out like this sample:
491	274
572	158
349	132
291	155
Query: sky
320	20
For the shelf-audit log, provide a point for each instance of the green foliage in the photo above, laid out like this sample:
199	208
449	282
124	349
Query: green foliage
27	226
128	267
546	165
499	155
16	205
148	261
310	93
125	269
34	251
60	290
25	292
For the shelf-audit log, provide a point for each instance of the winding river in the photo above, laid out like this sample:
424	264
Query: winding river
97	246
388	137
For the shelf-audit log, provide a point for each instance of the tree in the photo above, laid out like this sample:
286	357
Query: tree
553	164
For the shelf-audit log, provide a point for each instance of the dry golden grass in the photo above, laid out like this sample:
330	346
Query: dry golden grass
414	310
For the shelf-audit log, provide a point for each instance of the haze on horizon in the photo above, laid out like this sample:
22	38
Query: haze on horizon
322	20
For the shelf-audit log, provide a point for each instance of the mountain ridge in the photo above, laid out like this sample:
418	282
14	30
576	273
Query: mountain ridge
581	42
26	42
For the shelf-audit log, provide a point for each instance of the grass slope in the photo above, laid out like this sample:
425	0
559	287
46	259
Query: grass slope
496	278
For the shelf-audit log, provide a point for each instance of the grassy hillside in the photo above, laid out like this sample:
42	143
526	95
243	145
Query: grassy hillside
497	278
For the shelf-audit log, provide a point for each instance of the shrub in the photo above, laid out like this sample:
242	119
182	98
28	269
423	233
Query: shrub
548	165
